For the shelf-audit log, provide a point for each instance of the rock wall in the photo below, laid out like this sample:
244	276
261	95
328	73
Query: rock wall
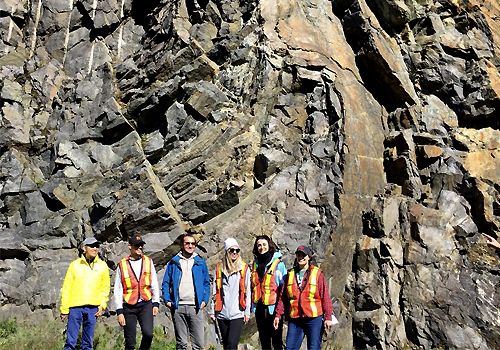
368	130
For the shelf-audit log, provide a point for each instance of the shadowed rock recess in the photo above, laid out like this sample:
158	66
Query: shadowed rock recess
367	129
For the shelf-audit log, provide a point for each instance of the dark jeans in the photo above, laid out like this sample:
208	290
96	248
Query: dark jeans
144	314
267	333
230	331
300	326
77	316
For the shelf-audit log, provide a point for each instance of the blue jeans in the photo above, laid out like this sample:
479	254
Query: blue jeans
300	326
77	316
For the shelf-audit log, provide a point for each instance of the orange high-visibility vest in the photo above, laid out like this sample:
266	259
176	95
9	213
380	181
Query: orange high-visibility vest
306	302
267	289
218	287
133	288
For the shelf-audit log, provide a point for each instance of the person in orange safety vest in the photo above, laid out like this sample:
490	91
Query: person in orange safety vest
231	295
137	295
306	295
268	273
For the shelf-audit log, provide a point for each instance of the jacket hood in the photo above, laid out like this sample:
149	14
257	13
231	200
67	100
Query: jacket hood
177	258
276	255
192	257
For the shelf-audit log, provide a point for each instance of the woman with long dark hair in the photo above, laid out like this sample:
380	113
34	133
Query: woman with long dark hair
268	273
231	295
306	295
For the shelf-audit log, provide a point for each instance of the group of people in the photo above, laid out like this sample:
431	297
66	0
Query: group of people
264	287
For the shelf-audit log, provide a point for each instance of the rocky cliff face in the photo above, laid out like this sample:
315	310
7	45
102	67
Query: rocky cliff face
368	129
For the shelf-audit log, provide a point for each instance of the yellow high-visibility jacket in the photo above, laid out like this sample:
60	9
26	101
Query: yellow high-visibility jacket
85	284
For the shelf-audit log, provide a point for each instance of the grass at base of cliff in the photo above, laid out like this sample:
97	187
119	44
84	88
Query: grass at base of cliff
15	335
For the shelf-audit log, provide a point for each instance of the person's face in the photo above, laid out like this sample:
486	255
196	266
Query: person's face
136	249
262	246
234	253
91	250
302	259
188	245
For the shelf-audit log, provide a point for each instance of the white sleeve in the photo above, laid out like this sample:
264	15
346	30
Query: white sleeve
214	289
118	289
154	284
248	287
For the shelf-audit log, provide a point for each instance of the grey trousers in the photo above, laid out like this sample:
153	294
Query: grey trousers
189	320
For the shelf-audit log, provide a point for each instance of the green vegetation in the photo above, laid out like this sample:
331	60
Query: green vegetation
144	138
15	335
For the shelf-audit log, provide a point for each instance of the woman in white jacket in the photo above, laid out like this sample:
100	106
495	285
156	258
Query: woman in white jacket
231	295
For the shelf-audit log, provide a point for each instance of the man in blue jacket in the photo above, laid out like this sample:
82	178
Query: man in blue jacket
186	291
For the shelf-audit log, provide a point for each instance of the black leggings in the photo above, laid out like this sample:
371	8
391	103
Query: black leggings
265	326
143	314
230	331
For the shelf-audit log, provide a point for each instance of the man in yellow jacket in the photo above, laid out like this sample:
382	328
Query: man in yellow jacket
84	294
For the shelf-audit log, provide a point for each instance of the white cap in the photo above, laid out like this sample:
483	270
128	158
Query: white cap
230	242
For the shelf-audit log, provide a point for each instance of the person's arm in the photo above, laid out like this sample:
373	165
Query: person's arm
65	292
248	296
118	293
105	288
165	285
155	290
211	312
491	241
326	302
282	300
280	274
206	285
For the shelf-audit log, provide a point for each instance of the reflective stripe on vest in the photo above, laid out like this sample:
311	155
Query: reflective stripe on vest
218	287
133	288
308	302
267	289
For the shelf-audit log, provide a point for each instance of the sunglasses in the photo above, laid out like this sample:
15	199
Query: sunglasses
138	246
94	245
233	250
190	243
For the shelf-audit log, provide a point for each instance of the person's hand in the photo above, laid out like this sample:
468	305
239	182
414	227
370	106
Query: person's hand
328	324
155	310
64	317
121	320
212	316
491	241
99	312
246	318
203	304
276	322
169	305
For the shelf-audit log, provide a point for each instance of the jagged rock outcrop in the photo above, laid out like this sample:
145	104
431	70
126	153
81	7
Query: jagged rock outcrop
366	129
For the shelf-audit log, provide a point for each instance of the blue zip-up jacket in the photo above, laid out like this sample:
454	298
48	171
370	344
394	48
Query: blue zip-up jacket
172	280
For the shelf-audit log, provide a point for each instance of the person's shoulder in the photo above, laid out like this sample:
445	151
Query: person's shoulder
175	259
314	267
123	259
277	255
102	262
199	259
75	262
